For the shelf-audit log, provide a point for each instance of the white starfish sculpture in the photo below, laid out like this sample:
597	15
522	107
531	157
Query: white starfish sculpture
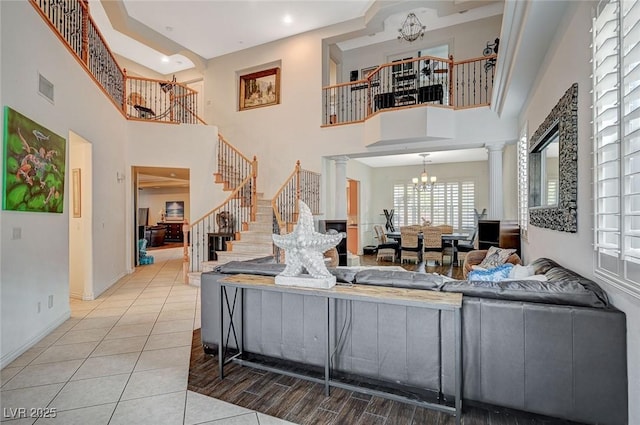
304	247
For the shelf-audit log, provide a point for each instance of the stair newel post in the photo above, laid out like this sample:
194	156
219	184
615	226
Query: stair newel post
451	99
185	251
85	32
254	189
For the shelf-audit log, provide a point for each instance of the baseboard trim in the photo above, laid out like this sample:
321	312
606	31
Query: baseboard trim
9	357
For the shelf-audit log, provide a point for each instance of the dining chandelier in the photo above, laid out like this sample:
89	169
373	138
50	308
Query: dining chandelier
411	29
424	182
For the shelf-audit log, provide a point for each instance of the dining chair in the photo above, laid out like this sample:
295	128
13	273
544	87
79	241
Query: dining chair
467	245
386	248
448	246
409	244
432	243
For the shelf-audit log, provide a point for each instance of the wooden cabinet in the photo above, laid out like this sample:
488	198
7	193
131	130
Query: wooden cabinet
498	233
174	232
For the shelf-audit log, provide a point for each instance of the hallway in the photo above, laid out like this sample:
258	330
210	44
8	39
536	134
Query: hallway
120	359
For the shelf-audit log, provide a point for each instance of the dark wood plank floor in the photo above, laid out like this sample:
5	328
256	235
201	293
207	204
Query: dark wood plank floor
304	402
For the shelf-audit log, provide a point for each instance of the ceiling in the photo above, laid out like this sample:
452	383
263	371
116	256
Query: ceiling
163	179
168	36
440	157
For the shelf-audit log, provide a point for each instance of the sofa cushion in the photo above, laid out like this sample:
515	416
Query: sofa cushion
557	274
562	292
400	279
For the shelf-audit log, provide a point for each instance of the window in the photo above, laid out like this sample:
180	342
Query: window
523	182
616	140
448	203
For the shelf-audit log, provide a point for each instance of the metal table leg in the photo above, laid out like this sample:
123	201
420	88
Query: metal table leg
327	360
458	360
221	335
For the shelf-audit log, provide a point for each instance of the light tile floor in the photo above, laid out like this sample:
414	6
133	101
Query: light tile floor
120	359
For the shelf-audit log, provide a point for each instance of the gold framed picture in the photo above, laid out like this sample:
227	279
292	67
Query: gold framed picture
260	89
76	181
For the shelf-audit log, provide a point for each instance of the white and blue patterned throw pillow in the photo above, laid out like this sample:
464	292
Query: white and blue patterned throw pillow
495	274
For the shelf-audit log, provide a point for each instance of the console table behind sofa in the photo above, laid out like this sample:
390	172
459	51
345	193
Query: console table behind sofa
560	360
398	299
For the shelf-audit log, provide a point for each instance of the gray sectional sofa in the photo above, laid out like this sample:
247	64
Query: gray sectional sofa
556	348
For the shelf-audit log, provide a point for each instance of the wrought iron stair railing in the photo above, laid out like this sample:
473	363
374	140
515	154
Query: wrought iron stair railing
300	185
230	217
135	97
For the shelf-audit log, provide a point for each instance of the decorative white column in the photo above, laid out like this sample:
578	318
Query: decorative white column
496	204
341	187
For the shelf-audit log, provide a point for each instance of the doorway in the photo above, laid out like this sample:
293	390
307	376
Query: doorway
80	218
353	208
161	204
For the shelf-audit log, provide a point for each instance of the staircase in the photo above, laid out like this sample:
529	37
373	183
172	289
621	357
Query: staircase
255	242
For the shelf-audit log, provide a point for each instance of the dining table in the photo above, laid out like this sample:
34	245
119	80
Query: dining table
455	237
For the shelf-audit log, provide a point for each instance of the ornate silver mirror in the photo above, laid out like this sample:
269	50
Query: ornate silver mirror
553	167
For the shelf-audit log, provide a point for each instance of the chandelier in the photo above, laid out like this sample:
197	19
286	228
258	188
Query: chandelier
411	29
424	182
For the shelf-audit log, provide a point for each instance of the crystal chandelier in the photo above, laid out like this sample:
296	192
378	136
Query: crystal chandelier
424	182
411	29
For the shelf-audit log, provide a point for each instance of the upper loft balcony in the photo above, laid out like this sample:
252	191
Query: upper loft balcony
418	100
424	81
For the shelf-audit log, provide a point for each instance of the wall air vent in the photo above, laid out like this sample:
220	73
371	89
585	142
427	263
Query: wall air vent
45	87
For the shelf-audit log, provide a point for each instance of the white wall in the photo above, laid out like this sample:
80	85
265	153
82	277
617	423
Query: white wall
179	146
567	62
37	265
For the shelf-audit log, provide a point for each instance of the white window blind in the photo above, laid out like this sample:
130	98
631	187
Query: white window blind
399	205
523	182
448	203
552	192
468	204
616	129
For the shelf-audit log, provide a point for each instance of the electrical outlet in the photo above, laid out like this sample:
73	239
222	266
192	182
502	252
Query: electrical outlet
16	233
39	307
50	301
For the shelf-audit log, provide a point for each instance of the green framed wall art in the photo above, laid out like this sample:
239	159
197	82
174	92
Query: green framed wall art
34	166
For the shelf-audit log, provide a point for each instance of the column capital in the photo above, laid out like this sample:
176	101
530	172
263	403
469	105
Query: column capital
341	159
496	147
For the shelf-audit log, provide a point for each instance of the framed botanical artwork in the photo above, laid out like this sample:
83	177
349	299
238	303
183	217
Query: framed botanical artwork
34	166
260	89
76	181
174	211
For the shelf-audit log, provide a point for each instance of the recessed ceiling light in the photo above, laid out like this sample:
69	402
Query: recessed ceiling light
287	19
168	28
165	59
